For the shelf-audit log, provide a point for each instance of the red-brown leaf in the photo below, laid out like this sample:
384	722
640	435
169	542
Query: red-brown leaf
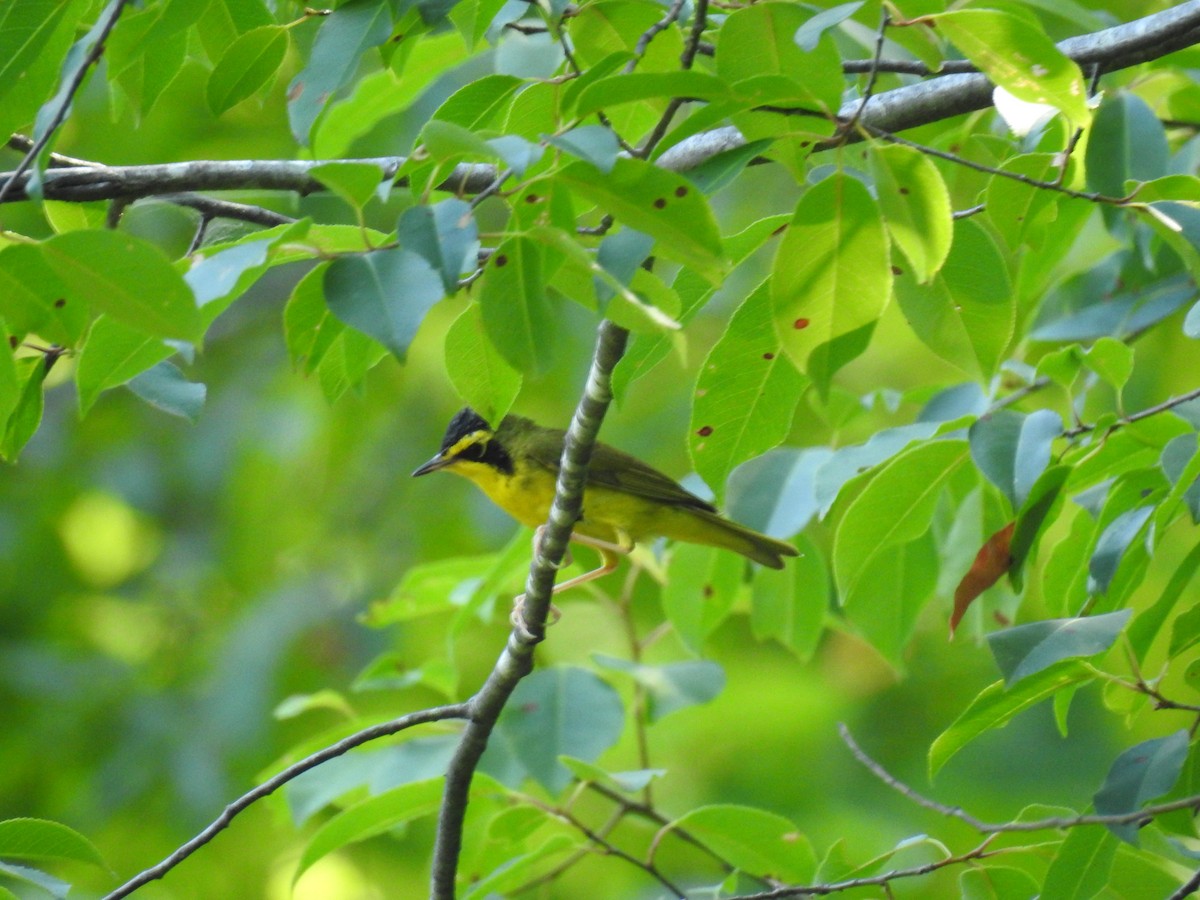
992	561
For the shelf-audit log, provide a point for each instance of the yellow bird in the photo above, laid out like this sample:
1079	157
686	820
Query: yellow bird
625	500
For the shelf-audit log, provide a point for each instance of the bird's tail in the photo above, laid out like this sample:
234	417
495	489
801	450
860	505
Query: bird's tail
762	549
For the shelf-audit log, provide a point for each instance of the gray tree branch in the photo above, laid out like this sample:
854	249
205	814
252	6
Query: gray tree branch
516	660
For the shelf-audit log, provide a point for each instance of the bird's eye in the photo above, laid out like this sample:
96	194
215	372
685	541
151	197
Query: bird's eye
474	452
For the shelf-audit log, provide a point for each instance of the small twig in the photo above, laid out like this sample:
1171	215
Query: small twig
851	125
1065	156
437	714
99	34
884	880
686	59
606	223
643	42
1188	888
198	237
1049	824
1137	416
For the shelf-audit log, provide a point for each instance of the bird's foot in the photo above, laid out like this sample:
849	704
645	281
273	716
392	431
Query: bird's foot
517	616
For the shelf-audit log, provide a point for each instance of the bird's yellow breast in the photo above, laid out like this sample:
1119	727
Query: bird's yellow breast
609	515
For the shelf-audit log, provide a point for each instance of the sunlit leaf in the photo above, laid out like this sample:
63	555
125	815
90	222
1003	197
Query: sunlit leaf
250	63
484	381
755	841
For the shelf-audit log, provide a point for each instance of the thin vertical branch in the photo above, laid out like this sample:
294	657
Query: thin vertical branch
516	660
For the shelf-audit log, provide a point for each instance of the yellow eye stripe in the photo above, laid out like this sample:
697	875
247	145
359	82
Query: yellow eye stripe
475	437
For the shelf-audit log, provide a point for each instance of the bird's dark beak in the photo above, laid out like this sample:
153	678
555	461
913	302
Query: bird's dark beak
438	462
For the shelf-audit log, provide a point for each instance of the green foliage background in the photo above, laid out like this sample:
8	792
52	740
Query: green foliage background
167	584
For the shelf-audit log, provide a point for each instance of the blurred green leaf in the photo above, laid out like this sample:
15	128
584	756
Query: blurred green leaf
790	604
1127	143
354	182
164	387
384	294
127	278
996	883
113	354
1111	547
895	508
1141	774
24	875
776	493
1022	212
757	842
995	706
445	234
809	34
248	65
888	593
702	585
1025	650
559	711
344	36
370	817
595	144
1080	868
476	105
626	88
671	686
1012	450
517	312
482	378
27	414
1034	516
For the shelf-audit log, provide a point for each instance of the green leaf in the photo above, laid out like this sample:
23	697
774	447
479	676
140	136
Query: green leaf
1139	775
165	387
10	378
27	414
445	234
889	593
702	585
1033	516
1080	869
671	686
445	141
760	40
476	105
1127	143
595	144
344	36
25	30
1147	624
1019	57
1112	360
55	887
249	64
759	843
354	182
1013	450
384	294
967	314
371	817
895	508
559	711
745	395
222	273
831	274
916	207
809	34
43	839
723	168
1028	649
659	203
516	309
995	883
627	88
128	278
790	604
1022	212
996	705
776	493
847	463
33	298
1111	547
483	380
113	354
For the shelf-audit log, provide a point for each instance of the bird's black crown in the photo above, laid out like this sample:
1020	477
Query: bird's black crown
465	421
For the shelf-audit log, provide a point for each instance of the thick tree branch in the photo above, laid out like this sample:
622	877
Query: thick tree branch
907	107
516	660
384	729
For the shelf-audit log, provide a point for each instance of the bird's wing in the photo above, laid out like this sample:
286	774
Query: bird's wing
618	470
